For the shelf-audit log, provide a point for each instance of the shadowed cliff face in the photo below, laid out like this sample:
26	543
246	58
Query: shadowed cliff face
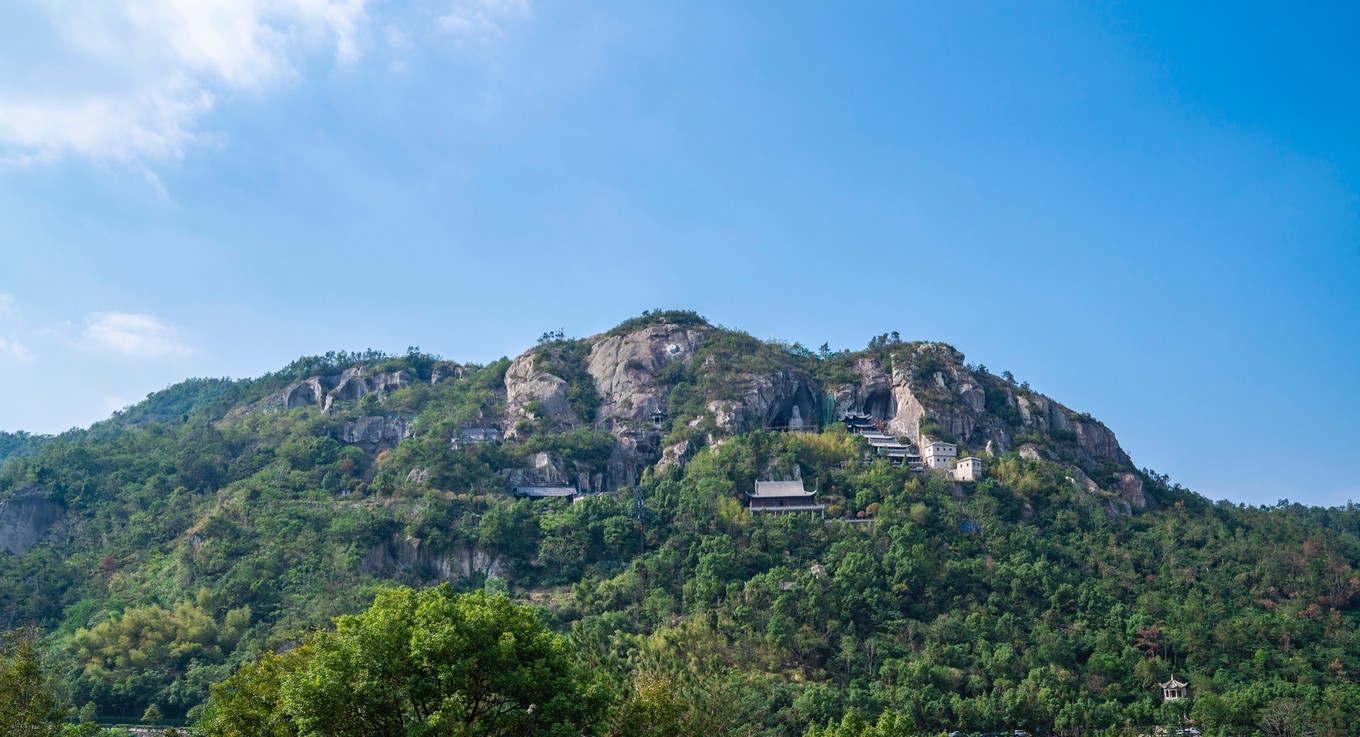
26	518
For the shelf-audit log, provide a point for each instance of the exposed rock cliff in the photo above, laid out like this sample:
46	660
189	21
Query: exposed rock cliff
744	385
374	433
26	519
930	386
625	368
871	394
775	399
404	556
322	392
533	394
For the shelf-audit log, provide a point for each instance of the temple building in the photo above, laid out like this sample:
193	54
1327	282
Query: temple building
862	423
859	422
784	496
889	447
545	492
470	435
936	454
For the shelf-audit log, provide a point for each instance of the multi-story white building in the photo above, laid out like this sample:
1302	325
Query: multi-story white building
937	454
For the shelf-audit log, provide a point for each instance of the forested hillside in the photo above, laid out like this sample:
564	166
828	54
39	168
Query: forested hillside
161	550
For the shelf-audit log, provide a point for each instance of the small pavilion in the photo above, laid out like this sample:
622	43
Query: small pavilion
1175	690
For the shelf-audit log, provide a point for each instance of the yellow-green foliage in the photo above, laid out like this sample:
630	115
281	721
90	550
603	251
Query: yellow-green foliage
1021	475
152	637
824	449
890	724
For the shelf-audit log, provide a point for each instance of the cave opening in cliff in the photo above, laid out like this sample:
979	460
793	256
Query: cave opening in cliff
798	412
879	405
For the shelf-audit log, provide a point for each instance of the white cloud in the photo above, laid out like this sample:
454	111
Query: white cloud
133	335
480	21
129	81
14	350
6	305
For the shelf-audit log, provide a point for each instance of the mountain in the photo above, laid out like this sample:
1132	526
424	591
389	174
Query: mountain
160	549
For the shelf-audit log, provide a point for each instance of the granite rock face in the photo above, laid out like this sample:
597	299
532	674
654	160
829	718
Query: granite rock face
625	369
27	518
1130	488
906	387
356	383
374	433
871	393
322	392
771	398
532	394
929	384
409	557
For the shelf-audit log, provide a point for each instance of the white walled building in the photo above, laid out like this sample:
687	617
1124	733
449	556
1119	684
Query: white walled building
937	454
968	469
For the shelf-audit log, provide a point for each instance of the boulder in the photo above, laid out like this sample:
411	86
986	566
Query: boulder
1079	477
542	469
444	371
676	455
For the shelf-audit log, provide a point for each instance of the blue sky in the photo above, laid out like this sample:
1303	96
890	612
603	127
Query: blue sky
1147	211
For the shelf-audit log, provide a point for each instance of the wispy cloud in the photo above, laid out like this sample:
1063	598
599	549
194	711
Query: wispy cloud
133	335
129	82
14	350
478	22
6	305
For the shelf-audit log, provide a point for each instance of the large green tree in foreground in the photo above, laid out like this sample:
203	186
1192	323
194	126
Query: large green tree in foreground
428	663
27	706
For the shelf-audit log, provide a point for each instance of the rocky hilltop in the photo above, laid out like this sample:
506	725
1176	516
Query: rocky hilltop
598	413
666	386
667	383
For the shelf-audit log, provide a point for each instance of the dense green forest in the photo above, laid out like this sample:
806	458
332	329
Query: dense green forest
206	530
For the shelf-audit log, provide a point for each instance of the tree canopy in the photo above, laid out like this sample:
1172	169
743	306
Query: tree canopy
429	663
28	706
